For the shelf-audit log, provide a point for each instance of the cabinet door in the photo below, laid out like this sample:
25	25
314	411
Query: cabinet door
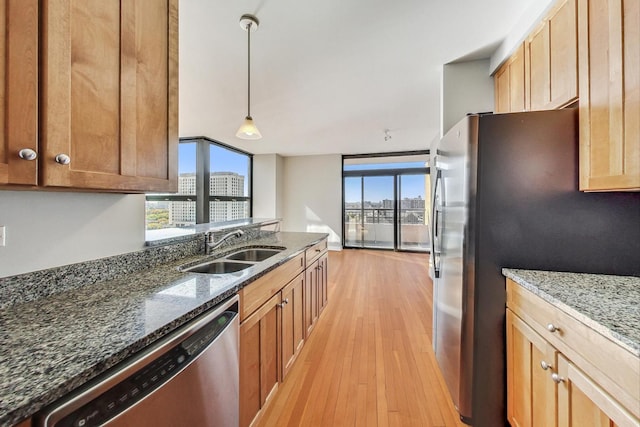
609	60
563	54
509	84
516	81
18	92
323	277
581	402
501	84
109	94
259	355
552	66
531	393
292	322
311	298
539	76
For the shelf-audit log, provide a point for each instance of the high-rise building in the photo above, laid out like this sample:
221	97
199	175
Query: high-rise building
182	214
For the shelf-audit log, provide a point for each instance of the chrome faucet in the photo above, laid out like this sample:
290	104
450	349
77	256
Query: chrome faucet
211	245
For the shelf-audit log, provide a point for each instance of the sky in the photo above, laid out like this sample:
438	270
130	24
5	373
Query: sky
222	160
377	188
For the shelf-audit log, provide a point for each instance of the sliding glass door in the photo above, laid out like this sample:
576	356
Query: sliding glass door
385	201
413	228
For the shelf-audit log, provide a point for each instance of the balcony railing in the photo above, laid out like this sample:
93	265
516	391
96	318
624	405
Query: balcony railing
374	227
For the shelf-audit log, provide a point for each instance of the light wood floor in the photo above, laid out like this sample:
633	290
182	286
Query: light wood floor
369	361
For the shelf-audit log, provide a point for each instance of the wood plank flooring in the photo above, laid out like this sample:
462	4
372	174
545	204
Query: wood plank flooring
369	361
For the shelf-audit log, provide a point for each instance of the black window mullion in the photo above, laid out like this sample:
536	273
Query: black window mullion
202	182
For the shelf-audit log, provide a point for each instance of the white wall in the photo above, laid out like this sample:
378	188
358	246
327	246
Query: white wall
313	196
467	87
529	19
50	229
264	186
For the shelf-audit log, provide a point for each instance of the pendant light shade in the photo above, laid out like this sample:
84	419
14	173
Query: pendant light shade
248	129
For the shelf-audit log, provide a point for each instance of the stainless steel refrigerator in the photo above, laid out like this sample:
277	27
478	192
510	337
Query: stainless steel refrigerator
506	195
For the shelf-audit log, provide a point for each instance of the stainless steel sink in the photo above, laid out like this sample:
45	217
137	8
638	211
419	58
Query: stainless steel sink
217	267
254	255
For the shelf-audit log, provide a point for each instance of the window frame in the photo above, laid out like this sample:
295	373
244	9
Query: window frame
396	173
202	198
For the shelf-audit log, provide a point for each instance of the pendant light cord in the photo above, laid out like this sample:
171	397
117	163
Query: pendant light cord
249	69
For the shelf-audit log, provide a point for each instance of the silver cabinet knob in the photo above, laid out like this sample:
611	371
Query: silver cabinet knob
544	365
556	378
27	154
283	303
552	328
63	159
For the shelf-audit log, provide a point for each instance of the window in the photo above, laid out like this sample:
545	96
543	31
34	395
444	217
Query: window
214	185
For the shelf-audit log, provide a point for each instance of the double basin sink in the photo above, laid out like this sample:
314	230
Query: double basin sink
234	262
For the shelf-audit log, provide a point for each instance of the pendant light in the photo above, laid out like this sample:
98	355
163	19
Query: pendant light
248	129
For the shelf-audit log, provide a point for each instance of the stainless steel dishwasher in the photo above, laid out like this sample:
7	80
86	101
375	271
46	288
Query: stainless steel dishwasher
189	378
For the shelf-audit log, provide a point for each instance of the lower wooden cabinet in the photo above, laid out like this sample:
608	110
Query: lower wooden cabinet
293	331
551	377
274	324
531	398
259	353
323	275
311	298
315	291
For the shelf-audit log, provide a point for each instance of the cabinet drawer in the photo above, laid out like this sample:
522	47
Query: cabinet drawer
314	252
613	367
257	293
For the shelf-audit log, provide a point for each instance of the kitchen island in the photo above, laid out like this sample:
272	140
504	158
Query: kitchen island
53	343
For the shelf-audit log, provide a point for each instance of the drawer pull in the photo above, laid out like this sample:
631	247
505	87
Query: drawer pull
544	365
552	328
556	378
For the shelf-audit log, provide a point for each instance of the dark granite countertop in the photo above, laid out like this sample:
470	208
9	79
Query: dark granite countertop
51	346
608	304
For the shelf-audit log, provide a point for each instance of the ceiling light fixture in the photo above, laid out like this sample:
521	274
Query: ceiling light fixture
248	129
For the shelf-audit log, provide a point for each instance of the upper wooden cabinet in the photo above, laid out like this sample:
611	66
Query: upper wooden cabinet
108	99
609	64
19	91
509	84
552	59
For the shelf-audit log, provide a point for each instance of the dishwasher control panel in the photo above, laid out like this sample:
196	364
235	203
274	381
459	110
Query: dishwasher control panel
143	382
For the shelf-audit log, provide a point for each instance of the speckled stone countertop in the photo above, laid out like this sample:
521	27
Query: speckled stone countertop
51	346
608	304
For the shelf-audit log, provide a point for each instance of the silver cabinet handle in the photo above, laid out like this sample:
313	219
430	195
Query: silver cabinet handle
556	378
552	328
27	154
544	365
63	159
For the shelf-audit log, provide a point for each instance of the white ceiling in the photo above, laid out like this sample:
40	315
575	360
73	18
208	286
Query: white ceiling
328	76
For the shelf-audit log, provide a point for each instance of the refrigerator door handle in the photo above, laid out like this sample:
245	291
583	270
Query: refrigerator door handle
435	224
